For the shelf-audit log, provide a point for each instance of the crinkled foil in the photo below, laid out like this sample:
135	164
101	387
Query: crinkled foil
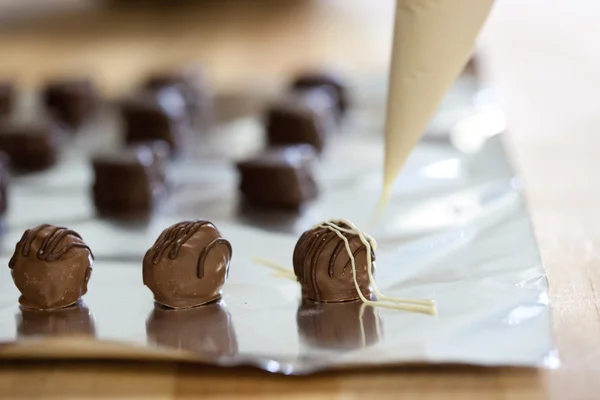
456	231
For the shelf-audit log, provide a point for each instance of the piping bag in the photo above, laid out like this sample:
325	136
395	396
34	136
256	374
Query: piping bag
433	40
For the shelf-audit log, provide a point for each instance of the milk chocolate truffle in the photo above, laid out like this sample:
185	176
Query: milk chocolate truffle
323	266
338	326
73	320
30	146
155	115
128	183
206	331
6	98
51	267
187	265
70	100
293	121
338	87
194	89
280	177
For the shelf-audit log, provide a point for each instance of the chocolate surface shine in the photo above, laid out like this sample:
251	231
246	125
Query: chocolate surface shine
207	331
187	265
69	321
51	267
338	326
323	267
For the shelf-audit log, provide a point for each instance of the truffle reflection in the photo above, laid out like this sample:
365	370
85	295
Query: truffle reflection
338	326
73	320
206	330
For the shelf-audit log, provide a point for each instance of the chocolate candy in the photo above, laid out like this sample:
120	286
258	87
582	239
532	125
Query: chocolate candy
73	320
30	146
159	115
294	121
128	183
338	326
339	90
280	177
187	265
51	267
206	331
4	178
323	265
192	86
6	98
71	101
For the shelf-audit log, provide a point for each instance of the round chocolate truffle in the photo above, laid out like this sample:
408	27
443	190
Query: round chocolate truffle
187	265
51	267
338	326
323	265
206	331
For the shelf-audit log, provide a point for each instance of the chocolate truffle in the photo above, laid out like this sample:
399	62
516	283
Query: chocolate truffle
338	326
279	177
294	121
206	331
156	115
128	183
323	265
30	146
51	267
6	98
73	320
193	87
187	265
70	100
328	80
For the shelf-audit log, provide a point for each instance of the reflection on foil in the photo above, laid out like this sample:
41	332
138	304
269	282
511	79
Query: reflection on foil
206	330
73	320
338	326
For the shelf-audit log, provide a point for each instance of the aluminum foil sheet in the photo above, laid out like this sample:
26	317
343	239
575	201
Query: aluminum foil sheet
456	231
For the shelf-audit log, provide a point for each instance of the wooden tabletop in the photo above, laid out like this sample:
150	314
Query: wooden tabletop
541	54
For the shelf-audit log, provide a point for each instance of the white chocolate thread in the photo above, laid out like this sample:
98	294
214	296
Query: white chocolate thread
415	305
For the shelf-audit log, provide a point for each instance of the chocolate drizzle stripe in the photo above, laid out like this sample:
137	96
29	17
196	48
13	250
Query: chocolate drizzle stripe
48	250
174	237
206	250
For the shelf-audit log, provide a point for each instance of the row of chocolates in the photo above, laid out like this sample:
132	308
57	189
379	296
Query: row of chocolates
186	267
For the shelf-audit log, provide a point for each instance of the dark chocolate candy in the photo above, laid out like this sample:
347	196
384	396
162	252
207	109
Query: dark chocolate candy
4	178
292	120
128	183
155	115
338	326
325	79
30	146
71	101
6	98
206	331
73	320
187	265
279	177
323	267
51	267
194	89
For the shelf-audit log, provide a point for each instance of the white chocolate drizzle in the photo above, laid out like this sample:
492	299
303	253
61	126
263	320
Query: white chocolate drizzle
425	306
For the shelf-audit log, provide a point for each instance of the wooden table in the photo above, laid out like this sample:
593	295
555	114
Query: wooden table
543	57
